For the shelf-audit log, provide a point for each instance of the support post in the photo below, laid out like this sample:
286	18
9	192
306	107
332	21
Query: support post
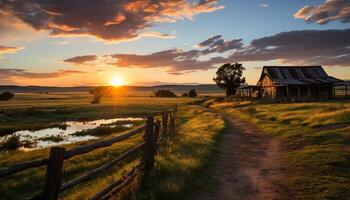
287	93
172	123
148	154
165	124
309	91
54	171
299	92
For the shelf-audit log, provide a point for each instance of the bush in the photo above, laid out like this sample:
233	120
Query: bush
192	93
6	96
11	143
184	94
164	93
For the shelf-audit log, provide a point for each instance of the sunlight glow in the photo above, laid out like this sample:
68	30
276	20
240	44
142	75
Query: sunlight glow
117	81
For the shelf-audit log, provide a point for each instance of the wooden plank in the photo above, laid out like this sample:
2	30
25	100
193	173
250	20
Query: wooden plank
53	174
22	166
100	144
116	186
90	174
148	155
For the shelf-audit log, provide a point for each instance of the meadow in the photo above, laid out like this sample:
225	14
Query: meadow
189	151
315	139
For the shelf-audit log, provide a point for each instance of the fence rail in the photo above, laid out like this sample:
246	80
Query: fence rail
154	131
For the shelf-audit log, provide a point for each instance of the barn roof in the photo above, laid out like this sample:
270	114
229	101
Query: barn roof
297	75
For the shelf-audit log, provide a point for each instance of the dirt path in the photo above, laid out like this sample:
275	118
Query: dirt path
248	166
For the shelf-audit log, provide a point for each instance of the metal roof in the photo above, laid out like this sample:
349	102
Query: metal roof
298	75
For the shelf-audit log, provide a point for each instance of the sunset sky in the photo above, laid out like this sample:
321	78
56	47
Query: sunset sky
151	42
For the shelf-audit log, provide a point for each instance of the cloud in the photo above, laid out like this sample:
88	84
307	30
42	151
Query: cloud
9	74
307	47
5	49
177	61
157	35
312	47
79	60
264	5
216	44
330	10
111	20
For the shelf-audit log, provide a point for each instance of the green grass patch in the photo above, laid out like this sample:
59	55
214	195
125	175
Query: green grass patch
181	165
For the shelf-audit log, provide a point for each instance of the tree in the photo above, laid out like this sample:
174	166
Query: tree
192	93
164	93
6	96
229	77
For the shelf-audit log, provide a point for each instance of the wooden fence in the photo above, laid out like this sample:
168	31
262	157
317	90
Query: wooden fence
154	131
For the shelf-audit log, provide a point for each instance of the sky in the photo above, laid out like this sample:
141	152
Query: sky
151	42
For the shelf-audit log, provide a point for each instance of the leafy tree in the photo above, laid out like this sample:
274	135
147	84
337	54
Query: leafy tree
229	77
6	96
192	93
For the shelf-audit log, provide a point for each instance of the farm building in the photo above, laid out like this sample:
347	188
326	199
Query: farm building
293	82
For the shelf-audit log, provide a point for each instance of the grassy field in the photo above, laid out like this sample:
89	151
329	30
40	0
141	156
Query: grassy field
316	139
188	151
36	111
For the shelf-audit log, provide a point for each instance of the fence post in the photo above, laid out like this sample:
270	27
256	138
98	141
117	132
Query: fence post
54	171
148	155
172	120
156	135
165	124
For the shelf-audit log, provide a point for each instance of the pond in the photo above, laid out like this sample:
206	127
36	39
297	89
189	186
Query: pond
65	133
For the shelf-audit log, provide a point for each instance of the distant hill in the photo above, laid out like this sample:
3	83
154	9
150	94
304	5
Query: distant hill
203	88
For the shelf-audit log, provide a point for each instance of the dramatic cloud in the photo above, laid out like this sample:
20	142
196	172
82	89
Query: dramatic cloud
177	61
308	47
319	47
112	20
5	49
81	59
8	74
330	10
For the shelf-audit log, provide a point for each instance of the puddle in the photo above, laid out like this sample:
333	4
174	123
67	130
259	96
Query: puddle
66	135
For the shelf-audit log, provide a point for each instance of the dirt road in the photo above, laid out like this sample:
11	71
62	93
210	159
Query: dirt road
248	164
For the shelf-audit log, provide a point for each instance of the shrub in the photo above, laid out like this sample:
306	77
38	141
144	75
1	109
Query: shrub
184	94
164	93
192	93
6	96
11	143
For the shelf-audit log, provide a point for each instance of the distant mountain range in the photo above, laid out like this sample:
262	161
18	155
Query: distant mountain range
203	88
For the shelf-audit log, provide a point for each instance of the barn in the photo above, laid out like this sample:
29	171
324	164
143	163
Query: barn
293	82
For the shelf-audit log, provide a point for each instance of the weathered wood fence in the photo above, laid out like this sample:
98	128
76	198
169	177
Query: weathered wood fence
154	131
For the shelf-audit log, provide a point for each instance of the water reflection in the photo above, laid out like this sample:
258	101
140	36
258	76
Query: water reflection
65	134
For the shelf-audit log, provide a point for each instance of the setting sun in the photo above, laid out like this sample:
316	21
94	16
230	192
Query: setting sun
117	81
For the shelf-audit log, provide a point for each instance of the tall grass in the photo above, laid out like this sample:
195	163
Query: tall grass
186	158
317	151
